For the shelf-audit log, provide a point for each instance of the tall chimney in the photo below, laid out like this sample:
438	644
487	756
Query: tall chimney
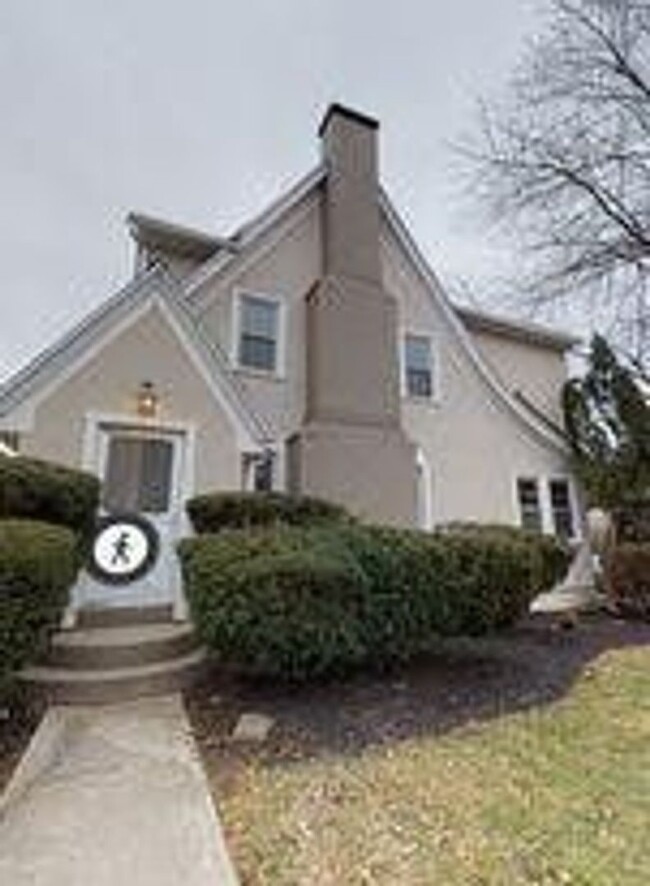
352	372
352	448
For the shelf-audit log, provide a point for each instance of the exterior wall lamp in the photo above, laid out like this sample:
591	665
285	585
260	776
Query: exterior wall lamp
148	400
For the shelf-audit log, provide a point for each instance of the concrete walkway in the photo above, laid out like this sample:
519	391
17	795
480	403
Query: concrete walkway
120	800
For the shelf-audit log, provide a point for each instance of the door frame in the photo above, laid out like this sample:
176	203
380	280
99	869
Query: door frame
97	429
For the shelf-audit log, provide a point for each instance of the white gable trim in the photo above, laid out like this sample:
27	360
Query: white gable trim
22	417
251	232
40	384
246	438
18	387
437	295
200	300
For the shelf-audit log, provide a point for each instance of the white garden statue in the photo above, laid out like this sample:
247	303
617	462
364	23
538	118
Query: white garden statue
578	590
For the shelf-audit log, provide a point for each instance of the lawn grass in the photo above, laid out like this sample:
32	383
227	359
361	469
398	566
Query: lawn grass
555	794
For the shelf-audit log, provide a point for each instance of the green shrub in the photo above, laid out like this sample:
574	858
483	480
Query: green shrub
303	602
37	567
240	510
550	556
277	602
628	574
38	490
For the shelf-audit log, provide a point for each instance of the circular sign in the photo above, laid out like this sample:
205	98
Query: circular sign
124	548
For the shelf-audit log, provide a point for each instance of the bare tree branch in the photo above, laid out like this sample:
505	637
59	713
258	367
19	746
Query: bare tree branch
564	165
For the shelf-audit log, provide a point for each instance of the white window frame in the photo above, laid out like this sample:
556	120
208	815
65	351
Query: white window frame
573	504
539	483
409	332
279	370
544	495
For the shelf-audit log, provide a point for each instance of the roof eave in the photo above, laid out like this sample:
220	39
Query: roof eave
519	330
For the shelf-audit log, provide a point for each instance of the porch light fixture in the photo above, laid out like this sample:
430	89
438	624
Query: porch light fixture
147	400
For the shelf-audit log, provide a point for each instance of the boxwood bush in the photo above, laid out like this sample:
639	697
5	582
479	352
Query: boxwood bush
39	490
38	563
628	574
305	602
215	511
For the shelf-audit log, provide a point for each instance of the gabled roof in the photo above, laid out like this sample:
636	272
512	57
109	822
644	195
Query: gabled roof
179	298
459	319
153	286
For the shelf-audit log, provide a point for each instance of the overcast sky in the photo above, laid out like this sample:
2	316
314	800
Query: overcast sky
203	111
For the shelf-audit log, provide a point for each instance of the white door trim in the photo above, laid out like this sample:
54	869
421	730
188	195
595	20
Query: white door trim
97	429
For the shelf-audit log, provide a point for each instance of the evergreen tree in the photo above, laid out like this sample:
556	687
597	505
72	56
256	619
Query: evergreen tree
607	417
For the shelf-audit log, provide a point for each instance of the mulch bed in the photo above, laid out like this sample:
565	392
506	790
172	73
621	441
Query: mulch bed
469	680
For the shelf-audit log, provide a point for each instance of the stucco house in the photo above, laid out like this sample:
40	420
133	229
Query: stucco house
313	351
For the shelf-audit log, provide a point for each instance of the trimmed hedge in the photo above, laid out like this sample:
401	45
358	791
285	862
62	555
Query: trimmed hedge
301	603
37	490
38	564
216	511
628	579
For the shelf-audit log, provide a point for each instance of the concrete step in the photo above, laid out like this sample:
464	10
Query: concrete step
117	647
62	685
123	616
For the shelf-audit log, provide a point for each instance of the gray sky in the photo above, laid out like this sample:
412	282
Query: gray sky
204	111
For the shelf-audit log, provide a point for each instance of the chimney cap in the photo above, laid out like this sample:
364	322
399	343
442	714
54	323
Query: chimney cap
342	111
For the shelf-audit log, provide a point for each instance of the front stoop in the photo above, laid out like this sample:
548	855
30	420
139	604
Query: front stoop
111	659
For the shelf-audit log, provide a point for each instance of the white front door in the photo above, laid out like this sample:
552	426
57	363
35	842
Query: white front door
143	472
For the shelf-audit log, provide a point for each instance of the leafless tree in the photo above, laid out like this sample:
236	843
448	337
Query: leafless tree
564	164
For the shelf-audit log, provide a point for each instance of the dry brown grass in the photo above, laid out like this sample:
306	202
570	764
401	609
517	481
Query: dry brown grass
555	794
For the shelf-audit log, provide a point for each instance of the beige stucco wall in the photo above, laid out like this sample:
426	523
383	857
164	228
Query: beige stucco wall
285	264
539	372
473	445
147	350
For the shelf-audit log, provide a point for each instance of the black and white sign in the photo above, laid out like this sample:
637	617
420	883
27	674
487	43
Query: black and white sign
124	549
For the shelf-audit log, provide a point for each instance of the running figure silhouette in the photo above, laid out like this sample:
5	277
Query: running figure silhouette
121	548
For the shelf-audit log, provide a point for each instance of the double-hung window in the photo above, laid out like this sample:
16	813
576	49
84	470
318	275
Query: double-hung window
530	511
546	506
418	366
259	329
561	509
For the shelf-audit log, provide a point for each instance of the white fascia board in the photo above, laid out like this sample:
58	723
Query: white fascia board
44	376
251	434
23	413
19	386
